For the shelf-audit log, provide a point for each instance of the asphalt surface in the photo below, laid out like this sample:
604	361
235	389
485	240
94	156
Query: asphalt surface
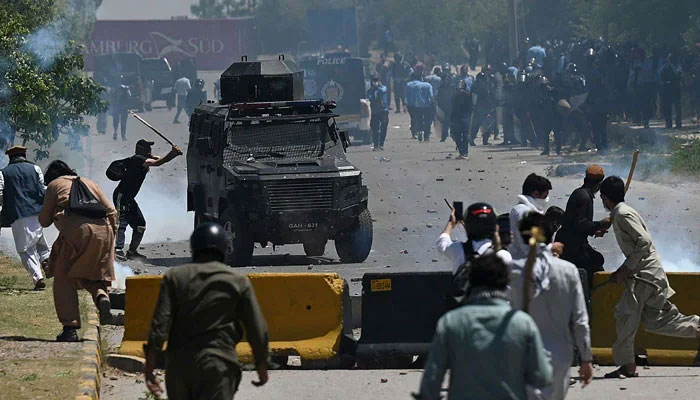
407	184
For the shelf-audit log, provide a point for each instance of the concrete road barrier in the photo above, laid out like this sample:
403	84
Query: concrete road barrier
399	315
304	313
659	350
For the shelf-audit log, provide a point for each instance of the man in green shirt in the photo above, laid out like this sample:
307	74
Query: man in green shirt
492	350
202	311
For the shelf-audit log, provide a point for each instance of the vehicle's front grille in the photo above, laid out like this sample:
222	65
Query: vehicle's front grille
300	194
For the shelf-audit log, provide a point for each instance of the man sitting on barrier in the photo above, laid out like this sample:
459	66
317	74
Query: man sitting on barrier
557	305
200	311
641	301
492	350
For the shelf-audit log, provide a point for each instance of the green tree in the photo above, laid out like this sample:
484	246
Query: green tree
43	92
223	8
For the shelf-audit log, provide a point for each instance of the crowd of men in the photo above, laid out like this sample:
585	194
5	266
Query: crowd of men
568	90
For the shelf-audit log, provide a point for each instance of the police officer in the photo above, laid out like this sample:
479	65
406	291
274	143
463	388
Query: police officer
485	108
121	93
461	110
671	91
203	309
400	71
195	96
124	197
378	96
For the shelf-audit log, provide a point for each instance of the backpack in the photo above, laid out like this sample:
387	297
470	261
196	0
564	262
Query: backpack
461	276
84	203
115	171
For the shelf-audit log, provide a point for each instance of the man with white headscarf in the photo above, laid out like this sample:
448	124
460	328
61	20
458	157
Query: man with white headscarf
558	307
534	198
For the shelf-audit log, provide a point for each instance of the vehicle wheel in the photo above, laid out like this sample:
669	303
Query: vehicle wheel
240	249
354	245
315	249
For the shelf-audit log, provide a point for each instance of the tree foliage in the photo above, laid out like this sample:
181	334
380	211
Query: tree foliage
42	90
223	8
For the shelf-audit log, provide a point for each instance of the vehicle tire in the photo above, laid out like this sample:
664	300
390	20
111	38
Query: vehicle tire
240	249
354	245
315	249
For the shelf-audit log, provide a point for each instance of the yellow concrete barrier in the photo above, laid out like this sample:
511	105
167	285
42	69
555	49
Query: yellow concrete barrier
660	350
304	313
141	297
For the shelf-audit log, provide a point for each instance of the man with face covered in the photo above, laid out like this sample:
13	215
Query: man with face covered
534	198
640	302
124	196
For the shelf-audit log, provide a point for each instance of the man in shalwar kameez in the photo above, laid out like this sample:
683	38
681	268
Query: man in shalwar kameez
639	302
21	196
558	307
82	257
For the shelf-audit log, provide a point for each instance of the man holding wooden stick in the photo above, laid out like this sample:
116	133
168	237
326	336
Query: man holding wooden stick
640	303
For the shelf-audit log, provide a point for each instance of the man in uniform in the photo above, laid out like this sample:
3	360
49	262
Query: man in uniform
577	225
203	309
640	302
125	196
22	192
378	97
400	71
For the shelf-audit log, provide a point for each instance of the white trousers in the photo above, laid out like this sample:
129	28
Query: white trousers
31	245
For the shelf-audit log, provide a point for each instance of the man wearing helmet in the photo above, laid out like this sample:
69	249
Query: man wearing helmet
203	309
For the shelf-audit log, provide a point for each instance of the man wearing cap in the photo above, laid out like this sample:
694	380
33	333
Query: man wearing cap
577	225
22	192
124	196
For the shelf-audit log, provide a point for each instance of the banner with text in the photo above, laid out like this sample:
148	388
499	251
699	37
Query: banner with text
213	43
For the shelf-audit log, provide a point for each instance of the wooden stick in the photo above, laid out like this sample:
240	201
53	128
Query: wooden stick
536	236
152	128
634	165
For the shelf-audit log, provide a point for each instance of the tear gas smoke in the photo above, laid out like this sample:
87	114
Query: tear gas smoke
121	272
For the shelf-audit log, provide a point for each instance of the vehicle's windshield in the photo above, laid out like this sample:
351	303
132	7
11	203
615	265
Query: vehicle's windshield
295	141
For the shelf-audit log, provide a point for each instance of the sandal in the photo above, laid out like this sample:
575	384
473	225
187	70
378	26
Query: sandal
620	373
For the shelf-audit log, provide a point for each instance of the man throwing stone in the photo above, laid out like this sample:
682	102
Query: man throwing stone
640	302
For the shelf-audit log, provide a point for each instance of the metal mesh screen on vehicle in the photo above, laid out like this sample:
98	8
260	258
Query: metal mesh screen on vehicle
268	141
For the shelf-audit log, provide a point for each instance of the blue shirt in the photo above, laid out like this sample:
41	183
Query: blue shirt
418	94
378	98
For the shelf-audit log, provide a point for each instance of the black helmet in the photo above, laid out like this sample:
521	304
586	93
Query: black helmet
210	236
480	221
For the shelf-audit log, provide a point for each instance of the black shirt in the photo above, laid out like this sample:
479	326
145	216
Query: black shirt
133	178
577	223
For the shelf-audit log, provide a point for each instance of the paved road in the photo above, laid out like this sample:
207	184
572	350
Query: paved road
407	183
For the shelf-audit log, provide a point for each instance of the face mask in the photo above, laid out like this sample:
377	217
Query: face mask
541	204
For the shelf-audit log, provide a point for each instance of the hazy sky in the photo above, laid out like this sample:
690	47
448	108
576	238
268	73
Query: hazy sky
143	9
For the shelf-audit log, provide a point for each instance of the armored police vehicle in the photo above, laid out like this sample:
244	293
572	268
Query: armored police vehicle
270	167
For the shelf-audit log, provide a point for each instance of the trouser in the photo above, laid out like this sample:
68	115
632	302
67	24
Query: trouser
585	257
65	296
485	119
129	214
669	101
31	245
33	257
643	303
200	376
527	133
646	94
181	102
599	125
379	124
119	115
421	119
445	128
428	117
398	87
460	134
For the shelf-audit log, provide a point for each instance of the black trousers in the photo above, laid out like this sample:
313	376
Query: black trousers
599	125
398	87
486	120
129	214
379	124
585	257
460	134
120	115
200	376
508	124
670	101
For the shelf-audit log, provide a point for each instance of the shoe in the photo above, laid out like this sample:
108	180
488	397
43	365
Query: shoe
442	140
69	334
544	153
461	157
374	148
105	309
472	143
123	138
176	122
427	140
119	255
135	255
40	285
620	373
114	137
381	148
